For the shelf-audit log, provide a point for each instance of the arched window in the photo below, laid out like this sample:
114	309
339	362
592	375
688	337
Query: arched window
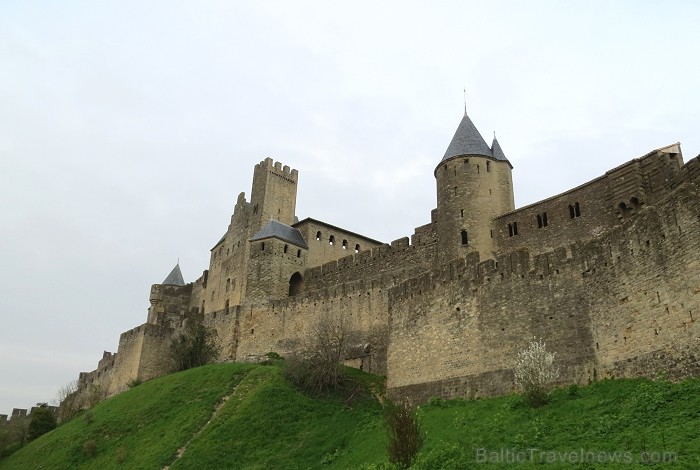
296	284
465	237
228	284
488	166
345	244
331	240
357	248
318	235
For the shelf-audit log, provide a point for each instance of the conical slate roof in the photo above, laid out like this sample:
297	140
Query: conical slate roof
497	150
467	141
282	231
175	277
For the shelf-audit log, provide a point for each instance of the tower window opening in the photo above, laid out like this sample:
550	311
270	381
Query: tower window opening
488	167
286	248
255	209
575	211
461	213
262	246
298	253
542	220
226	307
455	190
345	244
477	169
331	240
357	248
228	284
465	237
512	229
318	235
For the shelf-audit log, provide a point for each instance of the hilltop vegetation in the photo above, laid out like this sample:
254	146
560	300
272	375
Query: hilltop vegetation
246	416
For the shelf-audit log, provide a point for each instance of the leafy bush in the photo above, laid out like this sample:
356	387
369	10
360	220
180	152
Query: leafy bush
195	346
534	372
42	421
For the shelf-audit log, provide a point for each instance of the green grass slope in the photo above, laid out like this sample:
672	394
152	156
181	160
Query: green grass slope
233	416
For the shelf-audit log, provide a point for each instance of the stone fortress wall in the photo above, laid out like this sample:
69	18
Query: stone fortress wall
605	273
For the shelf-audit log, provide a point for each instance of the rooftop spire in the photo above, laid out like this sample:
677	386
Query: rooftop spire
465	101
175	276
497	150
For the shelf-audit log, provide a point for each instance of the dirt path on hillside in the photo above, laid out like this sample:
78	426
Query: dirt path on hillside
215	413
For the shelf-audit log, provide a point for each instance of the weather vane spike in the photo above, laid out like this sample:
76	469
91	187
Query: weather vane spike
465	101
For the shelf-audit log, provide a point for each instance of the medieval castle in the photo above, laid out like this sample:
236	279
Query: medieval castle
608	273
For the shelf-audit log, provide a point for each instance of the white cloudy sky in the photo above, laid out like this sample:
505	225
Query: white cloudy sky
127	129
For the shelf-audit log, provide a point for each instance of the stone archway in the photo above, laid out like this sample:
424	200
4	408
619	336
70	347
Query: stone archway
296	284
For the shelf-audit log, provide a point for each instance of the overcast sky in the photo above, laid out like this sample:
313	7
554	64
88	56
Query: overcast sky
127	130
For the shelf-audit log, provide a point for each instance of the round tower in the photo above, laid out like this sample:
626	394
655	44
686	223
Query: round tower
474	184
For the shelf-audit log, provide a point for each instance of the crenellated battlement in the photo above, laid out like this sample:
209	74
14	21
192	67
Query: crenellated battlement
604	272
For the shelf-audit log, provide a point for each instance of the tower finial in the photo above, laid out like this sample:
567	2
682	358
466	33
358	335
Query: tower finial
465	101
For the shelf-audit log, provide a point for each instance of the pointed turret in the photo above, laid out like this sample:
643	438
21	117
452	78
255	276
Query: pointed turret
467	141
174	278
497	151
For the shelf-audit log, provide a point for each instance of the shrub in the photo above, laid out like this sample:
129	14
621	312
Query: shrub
42	421
135	382
316	369
403	428
534	372
90	448
195	346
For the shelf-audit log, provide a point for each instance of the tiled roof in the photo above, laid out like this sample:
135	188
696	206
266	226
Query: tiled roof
467	141
282	231
175	277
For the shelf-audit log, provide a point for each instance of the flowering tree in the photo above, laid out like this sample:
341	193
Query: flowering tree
534	372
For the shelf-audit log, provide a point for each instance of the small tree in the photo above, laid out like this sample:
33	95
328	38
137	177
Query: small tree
535	371
68	403
195	346
316	368
42	421
403	428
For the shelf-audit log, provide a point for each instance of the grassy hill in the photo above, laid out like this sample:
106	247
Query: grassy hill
245	416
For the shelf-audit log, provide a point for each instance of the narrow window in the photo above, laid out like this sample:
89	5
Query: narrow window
465	237
488	167
575	211
228	284
298	253
491	233
286	248
202	307
512	229
262	246
255	209
545	222
226	307
539	221
357	248
461	213
477	169
331	240
318	235
345	244
455	190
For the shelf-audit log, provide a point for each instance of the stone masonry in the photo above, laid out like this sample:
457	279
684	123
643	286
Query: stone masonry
607	273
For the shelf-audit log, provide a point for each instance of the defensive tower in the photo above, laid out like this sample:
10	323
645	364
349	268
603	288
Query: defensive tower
274	194
474	184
